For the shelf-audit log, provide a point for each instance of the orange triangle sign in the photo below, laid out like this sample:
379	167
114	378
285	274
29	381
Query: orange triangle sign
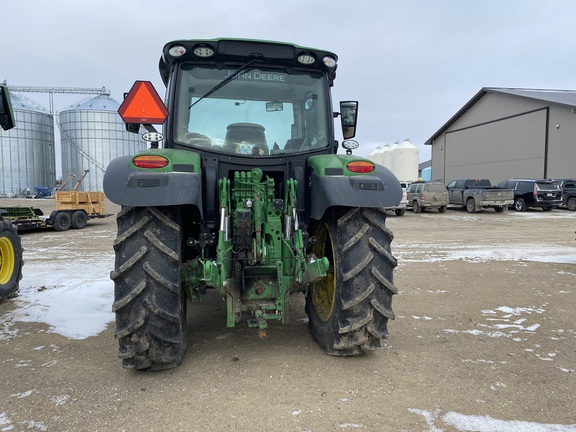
143	105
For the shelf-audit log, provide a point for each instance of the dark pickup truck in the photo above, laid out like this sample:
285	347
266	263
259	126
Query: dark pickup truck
568	193
477	194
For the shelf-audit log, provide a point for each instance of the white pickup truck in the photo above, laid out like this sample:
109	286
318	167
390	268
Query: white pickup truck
400	209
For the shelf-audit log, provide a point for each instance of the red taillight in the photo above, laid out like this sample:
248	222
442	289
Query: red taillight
360	166
150	161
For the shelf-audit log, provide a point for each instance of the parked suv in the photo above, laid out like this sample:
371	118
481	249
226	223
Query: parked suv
401	207
568	187
541	193
429	194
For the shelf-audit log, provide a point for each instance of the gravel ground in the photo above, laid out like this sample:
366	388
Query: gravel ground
484	340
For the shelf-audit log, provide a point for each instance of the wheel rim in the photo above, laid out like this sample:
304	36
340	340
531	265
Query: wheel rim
571	204
323	292
7	260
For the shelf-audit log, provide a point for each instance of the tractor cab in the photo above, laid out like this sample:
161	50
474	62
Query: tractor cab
261	112
249	98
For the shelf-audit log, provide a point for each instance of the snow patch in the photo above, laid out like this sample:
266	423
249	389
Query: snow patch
532	253
75	303
479	423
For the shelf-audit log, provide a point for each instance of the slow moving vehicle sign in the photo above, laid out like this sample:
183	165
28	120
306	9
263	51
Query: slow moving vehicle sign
142	105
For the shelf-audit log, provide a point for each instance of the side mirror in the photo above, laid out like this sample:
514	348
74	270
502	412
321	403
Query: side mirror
349	117
6	114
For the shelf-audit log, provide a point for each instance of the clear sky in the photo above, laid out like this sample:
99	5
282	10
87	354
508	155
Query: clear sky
412	64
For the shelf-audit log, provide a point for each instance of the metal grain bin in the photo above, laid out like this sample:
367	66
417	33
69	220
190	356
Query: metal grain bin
27	151
92	134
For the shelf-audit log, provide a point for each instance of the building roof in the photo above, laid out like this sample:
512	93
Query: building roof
561	97
96	103
22	103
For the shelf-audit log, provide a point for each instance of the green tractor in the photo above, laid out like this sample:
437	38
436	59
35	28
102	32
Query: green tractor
244	193
10	247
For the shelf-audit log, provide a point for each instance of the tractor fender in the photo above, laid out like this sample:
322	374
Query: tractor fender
375	190
126	186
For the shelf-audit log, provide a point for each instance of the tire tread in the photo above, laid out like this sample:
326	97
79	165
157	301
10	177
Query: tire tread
364	285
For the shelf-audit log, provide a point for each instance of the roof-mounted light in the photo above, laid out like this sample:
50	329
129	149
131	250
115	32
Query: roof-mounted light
203	51
329	61
177	51
306	59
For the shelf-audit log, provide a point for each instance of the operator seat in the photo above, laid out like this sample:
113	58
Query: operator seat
199	140
240	135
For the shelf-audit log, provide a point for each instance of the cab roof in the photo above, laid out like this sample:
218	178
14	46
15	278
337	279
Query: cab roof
230	50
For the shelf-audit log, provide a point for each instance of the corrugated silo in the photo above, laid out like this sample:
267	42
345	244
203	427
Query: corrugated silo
405	161
386	155
374	155
27	151
379	155
92	134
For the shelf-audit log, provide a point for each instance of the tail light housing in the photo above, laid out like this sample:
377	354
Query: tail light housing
150	161
360	167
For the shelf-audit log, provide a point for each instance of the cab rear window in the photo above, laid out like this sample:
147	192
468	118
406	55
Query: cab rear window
435	187
548	186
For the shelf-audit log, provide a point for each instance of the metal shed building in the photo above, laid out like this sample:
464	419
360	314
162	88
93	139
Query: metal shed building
506	133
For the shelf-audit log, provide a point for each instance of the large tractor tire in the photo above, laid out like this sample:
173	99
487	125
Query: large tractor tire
149	304
348	310
10	260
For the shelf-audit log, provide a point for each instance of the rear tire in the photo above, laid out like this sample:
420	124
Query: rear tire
349	309
62	221
10	260
79	219
149	303
399	212
519	205
442	209
571	203
416	207
499	209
